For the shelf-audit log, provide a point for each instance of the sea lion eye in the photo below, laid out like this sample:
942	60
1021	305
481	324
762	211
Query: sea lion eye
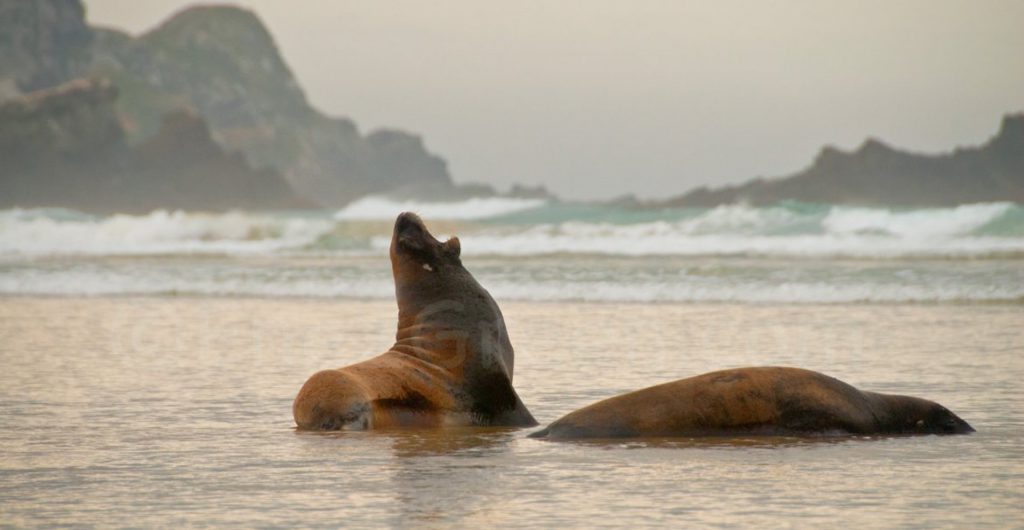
410	244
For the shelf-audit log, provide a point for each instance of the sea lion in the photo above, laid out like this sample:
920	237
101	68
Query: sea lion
451	363
754	401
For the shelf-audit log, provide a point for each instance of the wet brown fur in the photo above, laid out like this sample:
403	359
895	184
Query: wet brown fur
451	363
751	401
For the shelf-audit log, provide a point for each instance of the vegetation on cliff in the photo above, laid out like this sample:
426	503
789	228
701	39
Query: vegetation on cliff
65	146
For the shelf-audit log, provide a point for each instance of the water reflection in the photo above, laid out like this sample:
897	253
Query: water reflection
465	441
122	409
443	476
410	443
436	476
718	442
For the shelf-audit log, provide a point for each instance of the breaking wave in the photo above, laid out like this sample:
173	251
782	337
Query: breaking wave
381	208
534	250
57	232
523	227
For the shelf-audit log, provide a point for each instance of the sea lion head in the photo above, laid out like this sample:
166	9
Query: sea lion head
940	420
331	400
416	253
425	269
921	416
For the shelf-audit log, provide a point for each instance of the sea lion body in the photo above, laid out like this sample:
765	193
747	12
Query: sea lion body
452	360
754	401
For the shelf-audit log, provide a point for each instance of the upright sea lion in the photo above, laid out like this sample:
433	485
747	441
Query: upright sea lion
754	401
451	363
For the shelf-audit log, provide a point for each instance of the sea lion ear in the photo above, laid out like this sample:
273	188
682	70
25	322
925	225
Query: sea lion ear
453	246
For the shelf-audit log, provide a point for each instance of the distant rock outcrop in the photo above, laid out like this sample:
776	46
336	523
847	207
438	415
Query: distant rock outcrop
222	62
878	175
65	147
42	44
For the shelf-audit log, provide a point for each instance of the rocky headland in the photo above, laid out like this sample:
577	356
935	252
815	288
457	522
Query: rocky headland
220	63
876	174
65	146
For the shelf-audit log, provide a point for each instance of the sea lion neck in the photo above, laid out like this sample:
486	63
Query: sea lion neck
441	307
453	302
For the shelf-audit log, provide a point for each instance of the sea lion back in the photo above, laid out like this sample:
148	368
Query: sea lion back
748	401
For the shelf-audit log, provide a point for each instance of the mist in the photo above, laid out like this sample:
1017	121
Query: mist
597	99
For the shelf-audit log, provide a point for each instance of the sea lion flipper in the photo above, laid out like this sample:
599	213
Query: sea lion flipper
543	433
495	401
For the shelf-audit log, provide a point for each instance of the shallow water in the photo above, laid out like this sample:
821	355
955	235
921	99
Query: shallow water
176	411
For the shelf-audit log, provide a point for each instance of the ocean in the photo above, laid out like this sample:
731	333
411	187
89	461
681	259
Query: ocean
149	364
534	250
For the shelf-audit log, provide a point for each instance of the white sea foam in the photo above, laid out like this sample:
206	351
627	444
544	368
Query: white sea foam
661	239
739	219
756	292
723	231
121	281
774	231
315	254
382	208
30	233
927	223
106	282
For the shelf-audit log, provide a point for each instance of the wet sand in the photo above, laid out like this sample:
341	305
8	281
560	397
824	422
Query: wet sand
170	411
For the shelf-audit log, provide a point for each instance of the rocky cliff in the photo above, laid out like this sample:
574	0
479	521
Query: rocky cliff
65	146
876	174
222	62
42	44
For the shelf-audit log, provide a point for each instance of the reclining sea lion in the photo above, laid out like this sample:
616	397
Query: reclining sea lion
754	401
451	363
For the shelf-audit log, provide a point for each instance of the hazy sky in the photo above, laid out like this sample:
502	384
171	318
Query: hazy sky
596	99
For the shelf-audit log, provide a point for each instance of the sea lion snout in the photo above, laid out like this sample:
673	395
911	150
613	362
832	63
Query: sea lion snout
413	247
408	223
941	420
411	237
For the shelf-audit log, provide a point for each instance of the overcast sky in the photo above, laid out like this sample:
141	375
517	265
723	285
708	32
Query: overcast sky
596	98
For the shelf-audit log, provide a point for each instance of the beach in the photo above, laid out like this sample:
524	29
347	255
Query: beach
176	410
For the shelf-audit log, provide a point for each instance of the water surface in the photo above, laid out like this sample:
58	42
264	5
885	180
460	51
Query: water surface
172	411
530	250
